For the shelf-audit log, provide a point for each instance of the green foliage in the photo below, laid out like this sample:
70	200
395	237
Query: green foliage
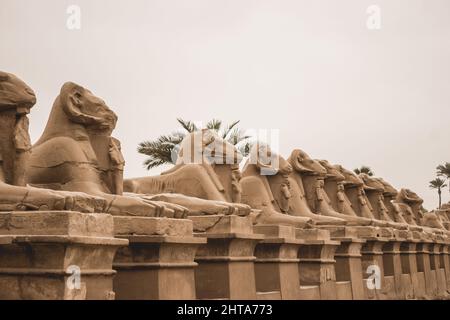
160	150
364	169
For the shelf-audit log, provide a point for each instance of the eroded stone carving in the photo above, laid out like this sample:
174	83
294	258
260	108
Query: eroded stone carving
257	188
289	196
375	190
410	205
77	152
207	168
313	175
16	101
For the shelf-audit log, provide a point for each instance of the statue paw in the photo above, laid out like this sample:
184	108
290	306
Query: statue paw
242	209
171	210
42	200
78	201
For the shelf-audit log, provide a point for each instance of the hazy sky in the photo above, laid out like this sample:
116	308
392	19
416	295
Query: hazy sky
311	69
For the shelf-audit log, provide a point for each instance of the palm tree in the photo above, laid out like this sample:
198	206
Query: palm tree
438	184
163	149
364	169
443	170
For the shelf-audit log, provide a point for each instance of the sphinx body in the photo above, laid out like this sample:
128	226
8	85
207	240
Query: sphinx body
266	187
16	101
375	190
310	175
410	205
76	152
287	194
207	168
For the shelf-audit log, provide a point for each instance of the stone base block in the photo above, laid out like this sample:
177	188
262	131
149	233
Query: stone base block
159	262
226	263
344	290
276	264
57	255
406	283
349	265
317	264
310	293
369	232
371	259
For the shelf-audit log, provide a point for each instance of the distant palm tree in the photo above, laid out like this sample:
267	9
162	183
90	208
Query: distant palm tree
443	170
364	169
160	150
438	184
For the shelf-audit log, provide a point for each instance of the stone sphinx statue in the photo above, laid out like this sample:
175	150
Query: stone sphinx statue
335	184
444	215
76	152
282	191
410	205
389	195
354	190
375	190
271	197
207	168
310	175
16	101
288	195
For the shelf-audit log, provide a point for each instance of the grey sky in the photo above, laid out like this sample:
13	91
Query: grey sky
309	68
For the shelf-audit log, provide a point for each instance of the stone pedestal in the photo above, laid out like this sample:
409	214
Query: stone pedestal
424	267
349	266
372	257
446	262
57	255
226	263
392	266
349	278
159	262
410	274
438	267
276	265
317	264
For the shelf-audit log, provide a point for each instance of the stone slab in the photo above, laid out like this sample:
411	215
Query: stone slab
220	224
48	223
124	226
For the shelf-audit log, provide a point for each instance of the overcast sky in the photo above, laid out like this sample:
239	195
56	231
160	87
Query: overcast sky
311	69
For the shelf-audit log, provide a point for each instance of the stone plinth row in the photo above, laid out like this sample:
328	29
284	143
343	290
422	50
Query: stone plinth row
69	255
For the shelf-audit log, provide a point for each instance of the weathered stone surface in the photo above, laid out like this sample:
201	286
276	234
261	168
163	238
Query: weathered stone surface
43	249
126	226
222	224
56	223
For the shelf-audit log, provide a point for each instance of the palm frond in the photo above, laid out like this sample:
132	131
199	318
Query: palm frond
443	170
236	136
214	124
189	126
364	169
228	129
160	150
437	183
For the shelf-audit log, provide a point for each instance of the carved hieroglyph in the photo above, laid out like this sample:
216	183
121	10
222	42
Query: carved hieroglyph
16	100
76	152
